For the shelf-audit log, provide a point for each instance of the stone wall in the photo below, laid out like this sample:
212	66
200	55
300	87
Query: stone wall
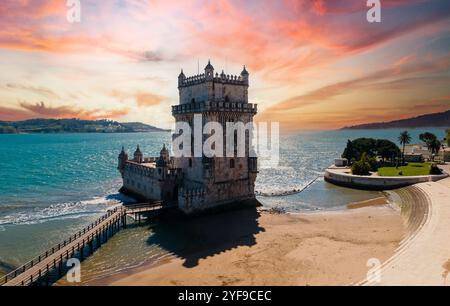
150	184
218	89
376	182
216	195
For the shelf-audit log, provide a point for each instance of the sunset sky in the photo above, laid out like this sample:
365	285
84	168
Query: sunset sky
312	64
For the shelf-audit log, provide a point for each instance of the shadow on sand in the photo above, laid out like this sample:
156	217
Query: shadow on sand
207	235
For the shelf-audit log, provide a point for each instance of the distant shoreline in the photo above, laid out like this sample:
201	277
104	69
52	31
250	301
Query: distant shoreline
57	126
62	133
356	128
435	120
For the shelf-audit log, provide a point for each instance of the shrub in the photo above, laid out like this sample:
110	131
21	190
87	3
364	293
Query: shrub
373	164
434	170
362	167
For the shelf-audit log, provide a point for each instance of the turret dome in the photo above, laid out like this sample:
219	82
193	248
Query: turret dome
244	72
209	66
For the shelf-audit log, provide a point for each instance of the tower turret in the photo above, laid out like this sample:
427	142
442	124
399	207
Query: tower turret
162	162
164	154
209	71
244	75
181	78
123	158
138	156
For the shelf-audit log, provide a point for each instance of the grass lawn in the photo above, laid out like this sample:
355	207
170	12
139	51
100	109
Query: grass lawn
410	170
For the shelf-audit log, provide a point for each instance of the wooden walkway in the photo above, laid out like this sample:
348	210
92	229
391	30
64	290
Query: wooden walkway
94	235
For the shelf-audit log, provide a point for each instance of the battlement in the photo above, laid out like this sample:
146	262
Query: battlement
220	106
192	80
222	79
150	170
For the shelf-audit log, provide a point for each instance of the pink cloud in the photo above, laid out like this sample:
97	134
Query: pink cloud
41	110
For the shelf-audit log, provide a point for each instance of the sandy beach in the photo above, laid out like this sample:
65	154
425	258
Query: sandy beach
254	247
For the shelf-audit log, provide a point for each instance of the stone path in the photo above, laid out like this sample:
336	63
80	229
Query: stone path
423	258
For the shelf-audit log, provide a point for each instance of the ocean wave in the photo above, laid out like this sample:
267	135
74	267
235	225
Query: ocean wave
70	210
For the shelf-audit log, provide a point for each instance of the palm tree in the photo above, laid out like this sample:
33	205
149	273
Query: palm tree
434	146
404	139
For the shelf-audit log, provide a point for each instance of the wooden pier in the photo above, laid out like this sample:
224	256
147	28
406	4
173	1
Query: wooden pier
86	240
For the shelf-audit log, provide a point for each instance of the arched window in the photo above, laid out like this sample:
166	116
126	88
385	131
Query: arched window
193	100
227	99
232	163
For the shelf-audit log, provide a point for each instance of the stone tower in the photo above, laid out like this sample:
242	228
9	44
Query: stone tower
215	181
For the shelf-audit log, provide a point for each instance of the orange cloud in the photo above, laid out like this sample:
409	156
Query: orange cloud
36	90
40	110
13	114
143	99
149	99
290	111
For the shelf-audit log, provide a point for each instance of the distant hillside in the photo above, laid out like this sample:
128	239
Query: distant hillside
73	126
430	120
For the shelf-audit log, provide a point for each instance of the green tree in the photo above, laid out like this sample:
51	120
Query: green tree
349	152
434	146
427	137
384	148
387	150
404	139
431	141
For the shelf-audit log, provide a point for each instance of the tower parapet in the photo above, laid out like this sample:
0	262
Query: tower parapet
210	87
222	78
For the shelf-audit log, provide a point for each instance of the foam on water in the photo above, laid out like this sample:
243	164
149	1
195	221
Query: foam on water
69	210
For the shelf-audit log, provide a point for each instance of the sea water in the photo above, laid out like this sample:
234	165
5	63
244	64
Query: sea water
54	184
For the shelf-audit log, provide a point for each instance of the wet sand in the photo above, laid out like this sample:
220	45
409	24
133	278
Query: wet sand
254	247
372	202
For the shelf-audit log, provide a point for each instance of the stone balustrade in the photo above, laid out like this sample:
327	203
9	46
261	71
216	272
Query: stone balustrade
225	79
216	106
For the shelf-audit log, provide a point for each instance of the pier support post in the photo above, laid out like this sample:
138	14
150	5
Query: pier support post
60	269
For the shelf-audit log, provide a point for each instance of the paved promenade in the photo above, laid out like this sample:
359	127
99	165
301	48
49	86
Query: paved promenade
423	258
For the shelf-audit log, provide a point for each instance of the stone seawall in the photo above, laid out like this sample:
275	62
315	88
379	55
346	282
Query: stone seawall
338	176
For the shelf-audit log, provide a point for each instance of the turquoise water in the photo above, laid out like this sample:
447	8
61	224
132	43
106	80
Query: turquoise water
53	184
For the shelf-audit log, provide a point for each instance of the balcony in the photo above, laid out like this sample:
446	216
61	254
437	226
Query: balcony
199	107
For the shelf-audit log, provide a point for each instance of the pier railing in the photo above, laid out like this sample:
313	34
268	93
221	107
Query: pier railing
53	258
8	277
